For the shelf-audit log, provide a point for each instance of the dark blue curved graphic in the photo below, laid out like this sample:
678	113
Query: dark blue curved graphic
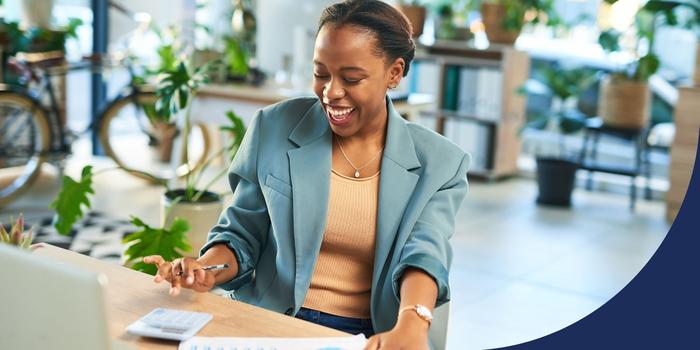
660	307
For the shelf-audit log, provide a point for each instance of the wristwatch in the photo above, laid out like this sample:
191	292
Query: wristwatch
422	311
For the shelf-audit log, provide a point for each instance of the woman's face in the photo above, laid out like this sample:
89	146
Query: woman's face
351	80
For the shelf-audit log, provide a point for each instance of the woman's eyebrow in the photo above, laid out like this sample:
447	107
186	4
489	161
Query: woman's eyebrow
354	69
348	68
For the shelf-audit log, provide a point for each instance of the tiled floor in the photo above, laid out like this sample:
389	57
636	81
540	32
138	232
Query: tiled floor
520	271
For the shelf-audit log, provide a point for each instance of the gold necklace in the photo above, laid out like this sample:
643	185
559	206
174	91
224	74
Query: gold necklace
357	170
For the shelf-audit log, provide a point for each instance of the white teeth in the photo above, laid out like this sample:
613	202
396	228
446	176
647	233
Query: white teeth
339	113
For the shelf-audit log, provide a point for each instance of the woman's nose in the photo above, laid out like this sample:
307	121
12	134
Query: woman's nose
333	91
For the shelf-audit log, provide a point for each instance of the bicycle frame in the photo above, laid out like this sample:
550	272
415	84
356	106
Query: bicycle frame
60	145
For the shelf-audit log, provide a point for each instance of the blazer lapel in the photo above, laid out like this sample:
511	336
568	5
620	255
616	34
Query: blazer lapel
395	188
310	166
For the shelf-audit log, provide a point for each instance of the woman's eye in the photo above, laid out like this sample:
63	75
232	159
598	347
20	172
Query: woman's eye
352	81
320	76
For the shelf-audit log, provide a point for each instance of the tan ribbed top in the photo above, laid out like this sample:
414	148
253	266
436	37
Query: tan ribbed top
342	280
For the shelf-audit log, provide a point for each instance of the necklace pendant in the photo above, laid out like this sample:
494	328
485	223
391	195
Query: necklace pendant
357	173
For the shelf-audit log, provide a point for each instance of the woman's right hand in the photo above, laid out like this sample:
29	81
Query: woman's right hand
182	273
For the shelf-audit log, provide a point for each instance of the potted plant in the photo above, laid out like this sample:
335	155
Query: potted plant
16	236
196	203
556	170
162	124
445	28
504	19
415	12
625	96
176	236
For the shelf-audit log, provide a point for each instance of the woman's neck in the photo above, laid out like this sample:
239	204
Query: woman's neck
371	136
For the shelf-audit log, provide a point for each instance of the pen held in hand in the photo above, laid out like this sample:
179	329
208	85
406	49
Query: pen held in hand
208	268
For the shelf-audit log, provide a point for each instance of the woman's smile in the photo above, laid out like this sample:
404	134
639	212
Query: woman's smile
340	115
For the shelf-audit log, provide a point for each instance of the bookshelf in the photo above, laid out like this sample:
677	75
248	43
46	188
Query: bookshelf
477	105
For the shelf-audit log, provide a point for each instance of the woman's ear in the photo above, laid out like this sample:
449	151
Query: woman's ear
396	70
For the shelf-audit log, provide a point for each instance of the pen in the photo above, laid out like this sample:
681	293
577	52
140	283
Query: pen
209	268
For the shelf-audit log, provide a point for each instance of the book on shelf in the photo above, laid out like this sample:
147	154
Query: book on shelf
425	78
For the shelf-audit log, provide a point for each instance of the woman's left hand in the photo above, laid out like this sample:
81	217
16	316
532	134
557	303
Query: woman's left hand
410	333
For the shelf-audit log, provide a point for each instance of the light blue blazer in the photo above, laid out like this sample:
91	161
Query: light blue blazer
280	181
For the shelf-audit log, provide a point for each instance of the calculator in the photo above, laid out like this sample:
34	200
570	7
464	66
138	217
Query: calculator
170	324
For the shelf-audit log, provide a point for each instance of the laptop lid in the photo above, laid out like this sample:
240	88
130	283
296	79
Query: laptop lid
47	304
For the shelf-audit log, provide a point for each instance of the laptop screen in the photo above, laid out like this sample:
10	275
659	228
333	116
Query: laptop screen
48	304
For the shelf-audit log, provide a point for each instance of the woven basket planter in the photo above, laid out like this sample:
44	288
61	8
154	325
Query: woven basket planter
624	103
492	15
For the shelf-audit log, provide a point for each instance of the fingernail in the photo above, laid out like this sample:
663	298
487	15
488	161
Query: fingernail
172	291
190	280
157	278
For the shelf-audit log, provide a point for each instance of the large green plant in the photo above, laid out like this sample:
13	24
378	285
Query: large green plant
166	242
648	19
565	85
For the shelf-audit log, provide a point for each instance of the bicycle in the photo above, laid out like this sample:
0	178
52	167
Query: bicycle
32	131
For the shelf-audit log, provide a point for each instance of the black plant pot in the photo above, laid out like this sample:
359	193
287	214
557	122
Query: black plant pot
555	178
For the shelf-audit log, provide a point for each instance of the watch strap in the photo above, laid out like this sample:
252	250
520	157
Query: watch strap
422	311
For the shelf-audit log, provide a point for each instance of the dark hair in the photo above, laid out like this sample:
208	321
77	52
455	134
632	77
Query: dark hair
386	24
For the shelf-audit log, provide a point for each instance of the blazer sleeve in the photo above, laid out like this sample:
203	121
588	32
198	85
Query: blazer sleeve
428	247
243	225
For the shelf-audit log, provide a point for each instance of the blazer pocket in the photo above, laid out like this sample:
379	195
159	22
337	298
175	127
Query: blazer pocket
278	185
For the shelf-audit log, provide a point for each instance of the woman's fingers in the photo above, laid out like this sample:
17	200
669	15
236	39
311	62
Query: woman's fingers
181	273
188	267
176	278
164	268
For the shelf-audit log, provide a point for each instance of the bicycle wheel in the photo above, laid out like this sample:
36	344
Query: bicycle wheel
24	143
128	137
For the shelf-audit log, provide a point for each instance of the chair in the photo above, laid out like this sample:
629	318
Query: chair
589	153
438	329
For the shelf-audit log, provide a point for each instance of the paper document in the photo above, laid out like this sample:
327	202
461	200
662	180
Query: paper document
239	343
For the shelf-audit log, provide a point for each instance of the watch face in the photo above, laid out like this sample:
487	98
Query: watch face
424	312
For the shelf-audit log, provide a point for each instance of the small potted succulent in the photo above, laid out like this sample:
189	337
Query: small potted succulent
16	236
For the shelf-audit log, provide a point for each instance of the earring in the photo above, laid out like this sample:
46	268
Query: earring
392	86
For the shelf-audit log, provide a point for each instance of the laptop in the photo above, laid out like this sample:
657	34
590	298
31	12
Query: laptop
47	304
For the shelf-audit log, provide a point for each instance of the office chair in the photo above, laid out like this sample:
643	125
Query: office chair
437	334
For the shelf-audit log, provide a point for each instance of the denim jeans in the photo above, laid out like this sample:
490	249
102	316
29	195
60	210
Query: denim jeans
345	324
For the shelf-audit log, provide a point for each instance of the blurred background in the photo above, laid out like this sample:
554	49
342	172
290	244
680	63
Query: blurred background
580	116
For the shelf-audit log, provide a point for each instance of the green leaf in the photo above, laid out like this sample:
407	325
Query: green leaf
169	243
236	58
609	40
571	123
168	60
236	131
72	200
646	67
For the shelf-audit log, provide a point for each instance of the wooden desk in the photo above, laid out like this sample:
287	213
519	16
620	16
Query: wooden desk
131	294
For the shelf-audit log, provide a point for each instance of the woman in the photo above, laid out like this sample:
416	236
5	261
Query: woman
342	210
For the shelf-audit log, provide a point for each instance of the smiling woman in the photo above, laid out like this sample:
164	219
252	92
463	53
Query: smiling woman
342	211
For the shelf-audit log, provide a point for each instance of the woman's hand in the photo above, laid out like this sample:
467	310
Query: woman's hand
410	333
182	273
